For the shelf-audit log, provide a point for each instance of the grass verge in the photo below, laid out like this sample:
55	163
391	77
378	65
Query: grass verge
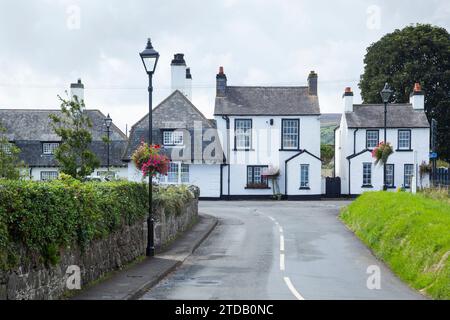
410	233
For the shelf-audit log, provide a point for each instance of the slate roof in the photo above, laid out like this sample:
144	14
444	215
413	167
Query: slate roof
28	128
175	112
267	101
399	116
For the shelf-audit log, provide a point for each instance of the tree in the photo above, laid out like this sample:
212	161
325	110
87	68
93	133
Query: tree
10	163
417	53
73	155
327	153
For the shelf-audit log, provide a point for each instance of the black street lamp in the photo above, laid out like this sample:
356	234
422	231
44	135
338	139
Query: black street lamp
150	59
386	95
108	123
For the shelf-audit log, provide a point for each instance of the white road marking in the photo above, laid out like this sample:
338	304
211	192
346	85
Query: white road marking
292	289
282	265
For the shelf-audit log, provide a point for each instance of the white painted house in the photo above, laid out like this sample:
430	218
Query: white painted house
188	138
360	131
262	127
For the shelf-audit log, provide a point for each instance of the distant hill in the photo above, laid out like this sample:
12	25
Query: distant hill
328	122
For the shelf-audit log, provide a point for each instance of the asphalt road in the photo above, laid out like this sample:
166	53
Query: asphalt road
280	250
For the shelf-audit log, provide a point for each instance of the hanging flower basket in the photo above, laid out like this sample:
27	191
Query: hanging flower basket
150	161
382	152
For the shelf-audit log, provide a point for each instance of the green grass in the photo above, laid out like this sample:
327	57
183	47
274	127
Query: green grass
410	233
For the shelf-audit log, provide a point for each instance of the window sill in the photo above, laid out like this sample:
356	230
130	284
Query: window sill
304	188
255	188
391	187
297	150
368	186
246	150
403	150
173	146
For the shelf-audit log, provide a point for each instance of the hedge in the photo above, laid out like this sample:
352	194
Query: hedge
47	216
411	233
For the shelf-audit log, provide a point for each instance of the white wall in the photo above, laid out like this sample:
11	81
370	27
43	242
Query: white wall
315	178
207	178
266	145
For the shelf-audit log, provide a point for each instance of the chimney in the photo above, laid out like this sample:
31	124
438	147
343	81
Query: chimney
188	84
179	73
417	97
221	83
312	83
348	100
77	89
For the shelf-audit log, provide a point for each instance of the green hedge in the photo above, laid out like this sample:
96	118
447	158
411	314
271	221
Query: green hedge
411	233
45	217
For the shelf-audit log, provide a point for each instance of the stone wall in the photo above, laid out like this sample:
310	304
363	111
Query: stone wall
33	280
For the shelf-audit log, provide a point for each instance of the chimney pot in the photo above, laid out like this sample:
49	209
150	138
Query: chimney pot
221	83
417	87
348	99
417	97
221	70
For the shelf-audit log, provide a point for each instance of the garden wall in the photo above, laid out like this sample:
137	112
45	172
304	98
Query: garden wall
36	272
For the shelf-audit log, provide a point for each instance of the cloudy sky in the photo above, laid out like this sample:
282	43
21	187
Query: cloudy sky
47	44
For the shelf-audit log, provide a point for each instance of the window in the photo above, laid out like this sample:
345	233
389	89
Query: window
243	134
404	139
172	138
372	139
184	173
178	173
304	176
6	147
172	174
390	175
408	173
367	174
49	175
290	133
254	177
49	148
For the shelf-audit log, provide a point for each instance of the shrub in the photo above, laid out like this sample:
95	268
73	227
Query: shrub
47	216
173	198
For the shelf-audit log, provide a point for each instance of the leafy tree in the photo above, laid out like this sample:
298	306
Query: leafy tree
73	155
327	153
417	53
10	163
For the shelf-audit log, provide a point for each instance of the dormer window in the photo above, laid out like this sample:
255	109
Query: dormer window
372	139
48	148
404	139
172	138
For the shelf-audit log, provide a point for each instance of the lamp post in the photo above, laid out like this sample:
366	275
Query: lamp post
386	94
150	59
108	123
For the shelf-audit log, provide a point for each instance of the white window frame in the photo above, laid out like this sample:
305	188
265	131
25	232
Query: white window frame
52	175
48	148
180	172
408	174
367	174
304	176
372	139
6	147
243	134
173	138
402	140
390	175
290	134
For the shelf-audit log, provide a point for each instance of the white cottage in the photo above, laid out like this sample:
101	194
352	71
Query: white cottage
269	129
360	131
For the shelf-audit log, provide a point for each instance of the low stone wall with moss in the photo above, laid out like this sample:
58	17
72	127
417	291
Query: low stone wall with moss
49	230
